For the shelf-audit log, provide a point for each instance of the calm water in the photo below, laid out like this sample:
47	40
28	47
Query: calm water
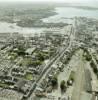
63	14
68	12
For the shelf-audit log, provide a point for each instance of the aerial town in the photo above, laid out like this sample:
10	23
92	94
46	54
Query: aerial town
60	63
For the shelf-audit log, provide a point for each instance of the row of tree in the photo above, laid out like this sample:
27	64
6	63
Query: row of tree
63	84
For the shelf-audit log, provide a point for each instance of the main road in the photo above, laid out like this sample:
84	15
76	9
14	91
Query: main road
54	60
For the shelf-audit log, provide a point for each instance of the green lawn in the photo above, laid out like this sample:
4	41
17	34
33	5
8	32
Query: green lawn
29	76
4	85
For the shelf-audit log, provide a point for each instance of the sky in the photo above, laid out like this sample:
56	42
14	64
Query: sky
82	2
66	1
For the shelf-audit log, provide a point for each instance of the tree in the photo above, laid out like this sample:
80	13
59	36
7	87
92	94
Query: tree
21	50
94	67
63	85
40	56
88	57
54	81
